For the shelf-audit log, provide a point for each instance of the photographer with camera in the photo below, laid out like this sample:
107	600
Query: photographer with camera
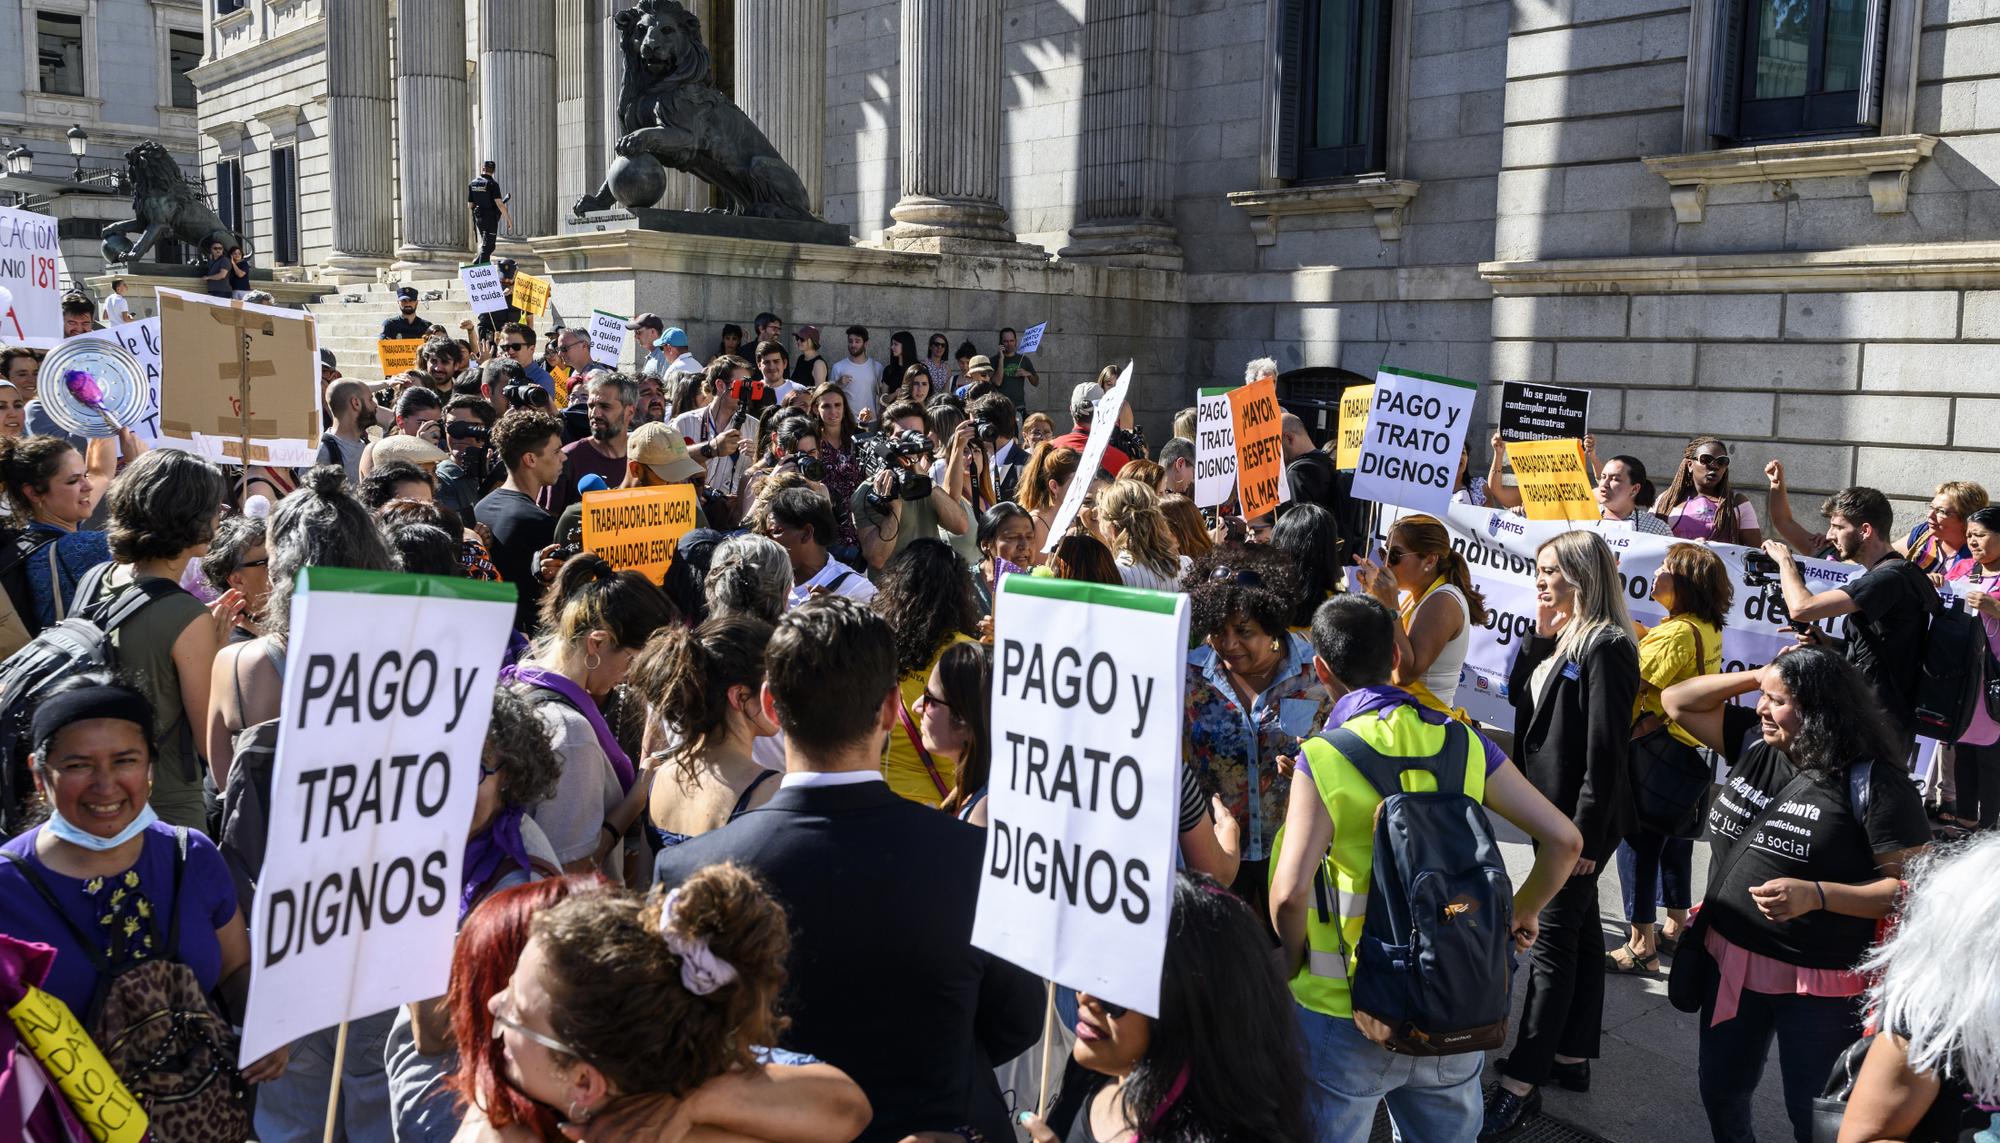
419	414
466	475
1891	602
794	446
721	429
996	425
899	503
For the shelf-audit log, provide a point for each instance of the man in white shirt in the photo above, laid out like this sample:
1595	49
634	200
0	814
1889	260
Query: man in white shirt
679	360
801	521
117	311
859	374
710	431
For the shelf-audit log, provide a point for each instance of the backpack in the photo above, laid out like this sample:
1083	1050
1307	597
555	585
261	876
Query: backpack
17	599
81	642
174	1052
1951	672
246	799
1434	962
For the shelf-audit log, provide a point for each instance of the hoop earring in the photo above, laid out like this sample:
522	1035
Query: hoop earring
580	1117
592	661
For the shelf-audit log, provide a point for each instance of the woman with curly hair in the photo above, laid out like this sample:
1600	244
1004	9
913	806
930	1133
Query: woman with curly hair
926	596
1251	695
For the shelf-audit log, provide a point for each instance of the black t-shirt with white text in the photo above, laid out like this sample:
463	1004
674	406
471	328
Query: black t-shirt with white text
1893	602
520	529
1769	821
484	195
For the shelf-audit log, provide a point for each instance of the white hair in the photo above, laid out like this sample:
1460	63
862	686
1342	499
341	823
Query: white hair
749	575
1260	368
1939	983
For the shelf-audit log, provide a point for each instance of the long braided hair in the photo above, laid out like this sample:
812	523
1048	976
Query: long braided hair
1683	489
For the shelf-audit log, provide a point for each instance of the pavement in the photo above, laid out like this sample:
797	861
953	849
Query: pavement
1644	1083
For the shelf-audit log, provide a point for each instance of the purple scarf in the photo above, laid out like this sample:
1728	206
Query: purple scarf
487	851
550	681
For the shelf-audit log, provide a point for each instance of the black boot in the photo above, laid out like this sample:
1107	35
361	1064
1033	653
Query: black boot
1505	1111
1572	1077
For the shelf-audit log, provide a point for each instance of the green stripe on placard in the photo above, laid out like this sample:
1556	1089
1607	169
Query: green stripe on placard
609	314
1474	385
1077	591
1226	389
357	582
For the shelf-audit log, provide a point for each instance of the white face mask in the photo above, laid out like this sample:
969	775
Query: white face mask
66	830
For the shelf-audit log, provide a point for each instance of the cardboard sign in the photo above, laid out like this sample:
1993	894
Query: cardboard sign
1257	422
1416	427
1103	420
1078	879
636	529
1352	426
1031	340
482	287
207	343
388	689
1554	481
607	337
398	355
31	278
1214	449
1535	412
531	294
54	1036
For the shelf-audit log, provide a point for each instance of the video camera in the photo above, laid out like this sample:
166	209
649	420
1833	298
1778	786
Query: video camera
889	451
1760	571
530	395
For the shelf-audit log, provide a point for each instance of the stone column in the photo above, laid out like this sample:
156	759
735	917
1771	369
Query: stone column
434	158
781	81
517	117
579	75
1127	194
359	109
950	92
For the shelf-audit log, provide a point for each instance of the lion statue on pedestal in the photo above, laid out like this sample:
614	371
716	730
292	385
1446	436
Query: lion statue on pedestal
672	114
166	208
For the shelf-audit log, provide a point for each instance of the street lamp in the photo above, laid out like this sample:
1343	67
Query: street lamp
79	140
20	161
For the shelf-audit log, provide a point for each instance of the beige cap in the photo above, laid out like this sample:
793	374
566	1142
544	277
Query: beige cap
659	446
401	446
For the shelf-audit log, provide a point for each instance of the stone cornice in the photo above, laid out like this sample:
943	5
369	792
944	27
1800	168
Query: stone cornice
1885	160
1930	266
236	65
1389	199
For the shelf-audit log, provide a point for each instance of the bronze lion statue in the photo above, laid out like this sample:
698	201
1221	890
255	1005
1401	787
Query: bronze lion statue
166	208
670	109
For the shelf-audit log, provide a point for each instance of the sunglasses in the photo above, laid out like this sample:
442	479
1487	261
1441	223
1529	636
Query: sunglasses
515	346
1707	461
929	699
502	1020
265	562
1394	556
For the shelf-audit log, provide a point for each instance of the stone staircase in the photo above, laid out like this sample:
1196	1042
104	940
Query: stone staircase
350	319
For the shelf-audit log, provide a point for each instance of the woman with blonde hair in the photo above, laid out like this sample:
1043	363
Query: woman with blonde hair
1140	538
1043	484
1035	429
1572	686
1443	607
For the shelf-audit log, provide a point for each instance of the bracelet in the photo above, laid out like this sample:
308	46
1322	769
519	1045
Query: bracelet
1822	895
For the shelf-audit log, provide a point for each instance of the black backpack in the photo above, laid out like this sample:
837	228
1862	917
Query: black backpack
1951	672
1434	961
81	642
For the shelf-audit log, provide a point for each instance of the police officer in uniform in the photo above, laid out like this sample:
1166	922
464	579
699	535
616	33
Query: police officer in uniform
488	204
406	324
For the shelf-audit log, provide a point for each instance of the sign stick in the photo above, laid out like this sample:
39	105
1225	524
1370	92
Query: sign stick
243	432
333	1090
1048	1052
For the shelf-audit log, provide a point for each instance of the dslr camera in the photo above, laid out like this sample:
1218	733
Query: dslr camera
530	396
889	451
985	432
805	464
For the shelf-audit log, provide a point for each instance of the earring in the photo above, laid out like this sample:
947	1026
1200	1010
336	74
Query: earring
1277	645
592	661
583	1116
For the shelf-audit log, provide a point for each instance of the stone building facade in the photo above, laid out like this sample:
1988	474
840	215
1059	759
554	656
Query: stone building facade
1775	221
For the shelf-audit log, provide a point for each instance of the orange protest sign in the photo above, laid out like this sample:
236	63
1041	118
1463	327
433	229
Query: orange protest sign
398	355
531	294
637	528
1554	483
1260	452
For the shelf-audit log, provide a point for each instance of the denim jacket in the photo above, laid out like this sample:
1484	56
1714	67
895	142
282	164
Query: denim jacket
1235	753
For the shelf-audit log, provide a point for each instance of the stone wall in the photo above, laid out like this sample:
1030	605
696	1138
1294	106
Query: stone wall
290	83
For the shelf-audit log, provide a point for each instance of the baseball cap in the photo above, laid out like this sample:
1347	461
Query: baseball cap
675	336
806	333
591	482
979	364
1084	397
647	320
327	360
409	292
416	450
659	447
506	265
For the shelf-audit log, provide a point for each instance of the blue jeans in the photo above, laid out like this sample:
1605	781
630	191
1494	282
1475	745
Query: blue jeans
1811	1031
1432	1099
1655	870
292	1108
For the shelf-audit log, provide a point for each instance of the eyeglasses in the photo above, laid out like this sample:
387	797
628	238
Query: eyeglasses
1942	513
929	699
265	562
1708	461
503	1020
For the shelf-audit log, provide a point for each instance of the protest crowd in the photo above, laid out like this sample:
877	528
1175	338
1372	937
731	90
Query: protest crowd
731	820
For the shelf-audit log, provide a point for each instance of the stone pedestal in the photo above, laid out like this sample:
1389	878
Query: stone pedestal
433	139
139	287
360	105
517	120
1127	193
950	89
784	91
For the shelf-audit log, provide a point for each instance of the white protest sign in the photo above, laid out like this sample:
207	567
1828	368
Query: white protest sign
1214	449
388	688
1032	339
607	337
142	339
482	287
1102	421
1079	873
1416	427
31	276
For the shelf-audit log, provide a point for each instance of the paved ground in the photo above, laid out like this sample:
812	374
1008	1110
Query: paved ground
1644	1086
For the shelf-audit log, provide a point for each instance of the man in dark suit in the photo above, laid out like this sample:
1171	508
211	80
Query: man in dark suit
883	981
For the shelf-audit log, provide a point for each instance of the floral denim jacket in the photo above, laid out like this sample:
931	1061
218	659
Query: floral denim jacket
1234	753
